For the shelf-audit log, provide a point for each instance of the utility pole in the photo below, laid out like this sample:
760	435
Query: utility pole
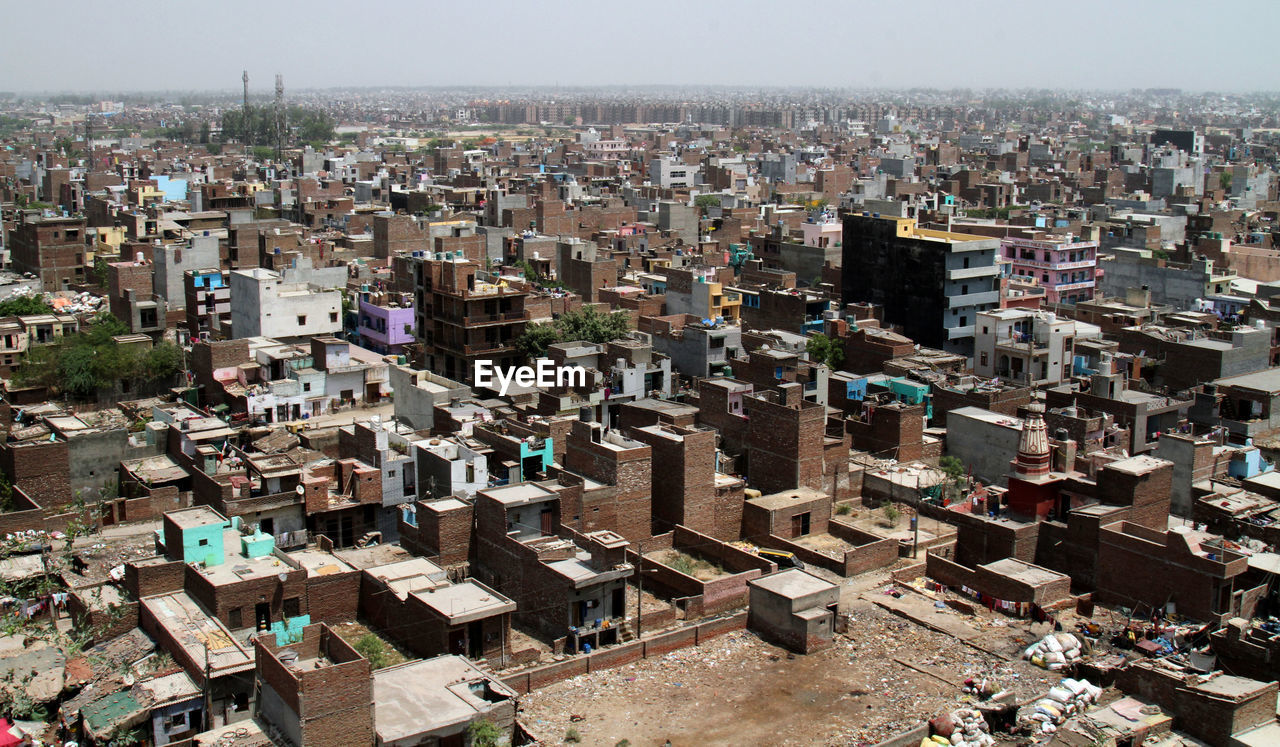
280	115
639	592
245	130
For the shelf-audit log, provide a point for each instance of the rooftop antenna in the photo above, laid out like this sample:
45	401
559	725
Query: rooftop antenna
280	115
245	130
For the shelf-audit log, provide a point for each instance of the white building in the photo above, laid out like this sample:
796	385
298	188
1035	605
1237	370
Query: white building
670	173
1026	346
264	304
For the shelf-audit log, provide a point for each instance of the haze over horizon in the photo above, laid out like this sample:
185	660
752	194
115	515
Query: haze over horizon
148	45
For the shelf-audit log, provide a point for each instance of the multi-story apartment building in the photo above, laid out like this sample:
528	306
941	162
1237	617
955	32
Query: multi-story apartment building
264	305
1024	346
462	318
695	291
931	283
54	249
1064	266
208	303
386	321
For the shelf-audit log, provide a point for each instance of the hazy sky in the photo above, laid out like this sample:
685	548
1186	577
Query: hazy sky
88	45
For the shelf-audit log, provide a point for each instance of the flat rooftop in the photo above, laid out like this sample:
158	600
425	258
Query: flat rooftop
196	516
987	416
515	495
786	498
236	567
1027	573
1137	465
319	563
1231	687
199	633
793	583
419	697
1262	381
409	576
465	602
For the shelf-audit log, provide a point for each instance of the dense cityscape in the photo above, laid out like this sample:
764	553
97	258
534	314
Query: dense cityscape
639	415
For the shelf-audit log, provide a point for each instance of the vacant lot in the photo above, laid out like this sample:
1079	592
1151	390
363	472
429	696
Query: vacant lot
739	690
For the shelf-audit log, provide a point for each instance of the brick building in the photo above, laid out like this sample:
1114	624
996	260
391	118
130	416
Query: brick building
53	249
317	690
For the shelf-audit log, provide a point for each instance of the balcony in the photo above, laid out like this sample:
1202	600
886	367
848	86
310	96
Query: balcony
965	273
1019	377
488	348
973	299
1073	286
1022	344
485	320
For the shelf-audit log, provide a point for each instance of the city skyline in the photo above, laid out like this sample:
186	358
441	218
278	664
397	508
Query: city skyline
573	44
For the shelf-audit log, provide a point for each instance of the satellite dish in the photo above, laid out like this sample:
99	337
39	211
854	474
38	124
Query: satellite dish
300	490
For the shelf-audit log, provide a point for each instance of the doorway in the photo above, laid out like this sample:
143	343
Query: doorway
262	615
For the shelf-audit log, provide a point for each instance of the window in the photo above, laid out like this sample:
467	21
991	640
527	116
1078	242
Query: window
964	290
984	359
176	722
292	607
984	329
964	321
333	316
235	619
204	542
306	386
966	262
302	319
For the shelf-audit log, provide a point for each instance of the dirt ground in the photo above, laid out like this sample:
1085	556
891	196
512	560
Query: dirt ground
888	675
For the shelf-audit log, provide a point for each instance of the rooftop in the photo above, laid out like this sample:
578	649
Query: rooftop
786	498
1027	573
199	634
1262	381
465	602
196	516
420	697
793	583
319	563
410	576
520	494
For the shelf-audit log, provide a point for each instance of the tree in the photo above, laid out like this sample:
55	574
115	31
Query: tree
536	339
1224	180
483	733
163	361
952	466
592	326
90	360
586	324
100	271
706	202
825	350
891	514
956	473
24	306
372	648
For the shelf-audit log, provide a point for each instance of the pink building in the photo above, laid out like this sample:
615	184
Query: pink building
386	321
1066	268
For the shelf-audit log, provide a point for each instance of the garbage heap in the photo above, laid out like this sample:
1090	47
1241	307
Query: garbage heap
1055	651
962	727
1064	700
